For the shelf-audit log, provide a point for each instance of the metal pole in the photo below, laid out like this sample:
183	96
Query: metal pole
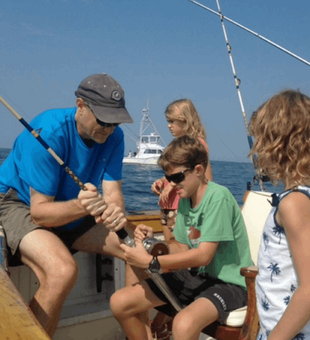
237	81
252	32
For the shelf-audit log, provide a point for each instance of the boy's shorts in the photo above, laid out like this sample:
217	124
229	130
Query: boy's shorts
17	222
189	286
168	217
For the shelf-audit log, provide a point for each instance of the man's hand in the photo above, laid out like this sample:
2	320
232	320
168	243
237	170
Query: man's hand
92	201
111	216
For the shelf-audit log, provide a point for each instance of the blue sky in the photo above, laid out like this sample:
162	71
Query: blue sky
159	50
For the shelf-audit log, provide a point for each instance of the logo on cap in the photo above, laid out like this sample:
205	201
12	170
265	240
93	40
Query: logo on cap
116	95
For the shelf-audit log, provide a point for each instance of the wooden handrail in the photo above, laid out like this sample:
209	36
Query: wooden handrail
17	320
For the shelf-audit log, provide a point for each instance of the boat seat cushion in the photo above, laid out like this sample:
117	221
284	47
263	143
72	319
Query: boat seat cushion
236	317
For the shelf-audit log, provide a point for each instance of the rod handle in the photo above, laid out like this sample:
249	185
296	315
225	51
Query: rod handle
122	234
126	238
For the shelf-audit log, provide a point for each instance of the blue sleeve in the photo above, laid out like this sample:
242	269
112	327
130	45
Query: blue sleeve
113	170
39	169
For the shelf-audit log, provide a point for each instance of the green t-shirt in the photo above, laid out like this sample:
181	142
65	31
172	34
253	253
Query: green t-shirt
216	219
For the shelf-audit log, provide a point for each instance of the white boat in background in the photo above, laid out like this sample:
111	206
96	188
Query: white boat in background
148	146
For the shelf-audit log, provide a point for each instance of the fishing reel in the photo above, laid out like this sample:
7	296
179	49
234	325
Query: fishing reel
156	247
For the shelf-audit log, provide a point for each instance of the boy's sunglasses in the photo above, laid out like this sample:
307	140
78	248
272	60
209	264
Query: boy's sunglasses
178	177
106	125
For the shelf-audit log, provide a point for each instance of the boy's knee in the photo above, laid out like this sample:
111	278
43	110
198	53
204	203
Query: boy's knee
117	304
122	305
182	323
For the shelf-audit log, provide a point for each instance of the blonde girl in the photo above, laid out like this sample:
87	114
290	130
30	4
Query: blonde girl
183	119
281	127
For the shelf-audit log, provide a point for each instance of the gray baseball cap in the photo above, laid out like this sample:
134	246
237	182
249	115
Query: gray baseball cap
105	97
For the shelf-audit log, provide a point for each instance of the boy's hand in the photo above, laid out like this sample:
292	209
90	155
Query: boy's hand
142	232
138	256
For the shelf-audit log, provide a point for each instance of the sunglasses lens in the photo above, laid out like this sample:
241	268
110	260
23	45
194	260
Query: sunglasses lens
176	178
107	125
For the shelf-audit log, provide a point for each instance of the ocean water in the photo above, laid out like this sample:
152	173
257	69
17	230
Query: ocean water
137	181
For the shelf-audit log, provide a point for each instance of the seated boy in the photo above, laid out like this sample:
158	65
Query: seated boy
210	247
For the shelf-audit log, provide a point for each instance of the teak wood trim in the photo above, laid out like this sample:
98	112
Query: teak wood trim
17	320
150	218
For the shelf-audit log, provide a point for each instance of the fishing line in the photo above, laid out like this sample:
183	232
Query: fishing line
122	233
252	32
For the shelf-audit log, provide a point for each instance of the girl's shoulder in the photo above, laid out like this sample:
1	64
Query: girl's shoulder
292	203
300	192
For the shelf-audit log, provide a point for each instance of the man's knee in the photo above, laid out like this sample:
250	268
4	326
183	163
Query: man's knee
61	275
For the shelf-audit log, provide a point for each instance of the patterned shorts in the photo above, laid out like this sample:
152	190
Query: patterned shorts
168	217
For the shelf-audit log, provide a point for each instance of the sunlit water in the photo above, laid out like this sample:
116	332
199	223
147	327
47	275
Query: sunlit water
137	181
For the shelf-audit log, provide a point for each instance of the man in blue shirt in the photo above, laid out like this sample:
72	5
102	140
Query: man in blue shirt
46	217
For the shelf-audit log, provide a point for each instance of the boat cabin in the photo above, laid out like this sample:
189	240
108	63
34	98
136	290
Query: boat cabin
150	139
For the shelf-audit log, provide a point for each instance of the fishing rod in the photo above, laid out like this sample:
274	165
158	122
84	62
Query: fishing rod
259	177
154	247
237	80
252	32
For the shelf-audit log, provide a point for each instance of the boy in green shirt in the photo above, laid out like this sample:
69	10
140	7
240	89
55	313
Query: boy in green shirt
203	267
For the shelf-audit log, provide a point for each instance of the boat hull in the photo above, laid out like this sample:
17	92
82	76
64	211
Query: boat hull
142	161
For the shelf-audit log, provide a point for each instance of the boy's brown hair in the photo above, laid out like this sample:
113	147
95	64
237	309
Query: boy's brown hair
183	151
281	127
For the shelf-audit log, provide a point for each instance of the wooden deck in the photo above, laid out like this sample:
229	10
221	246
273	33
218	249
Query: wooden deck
16	319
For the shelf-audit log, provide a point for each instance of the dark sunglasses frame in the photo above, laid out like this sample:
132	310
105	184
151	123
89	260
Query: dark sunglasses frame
179	176
101	123
106	125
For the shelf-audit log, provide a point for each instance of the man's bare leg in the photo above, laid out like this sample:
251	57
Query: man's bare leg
47	256
99	240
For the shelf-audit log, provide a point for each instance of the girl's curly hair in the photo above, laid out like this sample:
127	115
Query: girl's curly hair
281	127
